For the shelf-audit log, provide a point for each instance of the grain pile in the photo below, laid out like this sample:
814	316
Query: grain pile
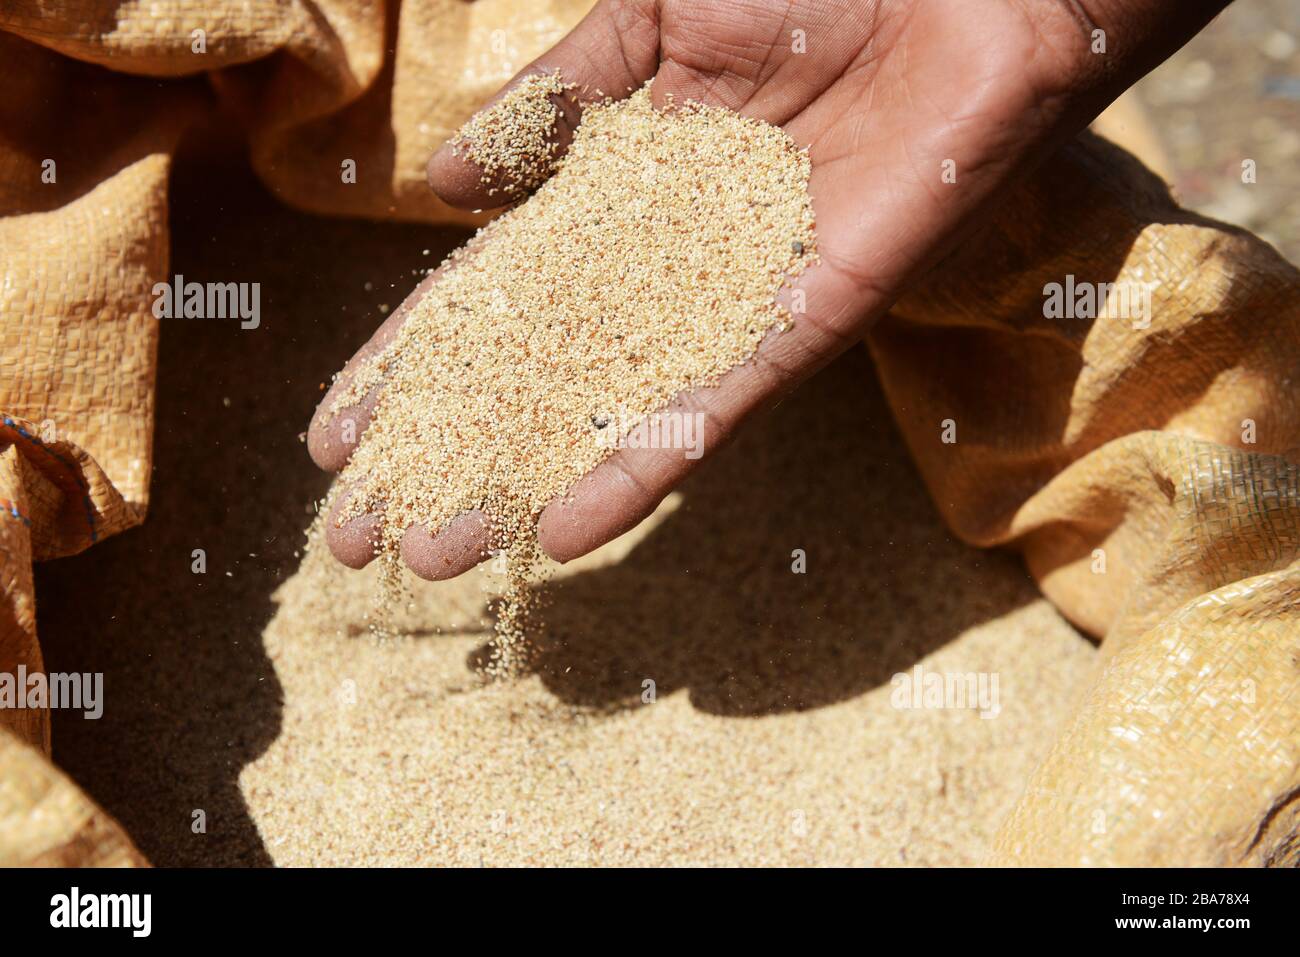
648	265
770	738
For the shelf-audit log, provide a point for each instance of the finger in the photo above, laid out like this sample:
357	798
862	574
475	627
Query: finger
333	436
627	486
462	544
611	52
452	551
354	542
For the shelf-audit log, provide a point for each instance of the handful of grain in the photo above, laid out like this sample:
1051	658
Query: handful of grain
648	265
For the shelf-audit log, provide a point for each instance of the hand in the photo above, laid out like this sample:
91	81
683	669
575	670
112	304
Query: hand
916	113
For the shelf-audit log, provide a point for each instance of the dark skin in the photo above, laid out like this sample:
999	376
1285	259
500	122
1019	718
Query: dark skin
884	95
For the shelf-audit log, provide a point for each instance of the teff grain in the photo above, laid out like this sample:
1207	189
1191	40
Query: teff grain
563	311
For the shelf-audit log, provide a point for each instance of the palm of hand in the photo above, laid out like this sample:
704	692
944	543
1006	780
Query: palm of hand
913	115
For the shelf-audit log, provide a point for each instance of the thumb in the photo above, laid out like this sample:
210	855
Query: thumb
612	52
